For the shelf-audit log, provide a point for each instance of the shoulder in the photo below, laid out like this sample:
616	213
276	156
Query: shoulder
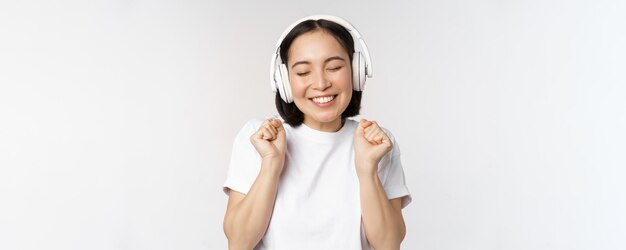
242	138
351	124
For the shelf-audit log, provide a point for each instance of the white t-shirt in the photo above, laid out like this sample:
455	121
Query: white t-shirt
318	201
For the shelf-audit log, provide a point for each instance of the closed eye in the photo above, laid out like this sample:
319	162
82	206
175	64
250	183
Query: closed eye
335	68
302	73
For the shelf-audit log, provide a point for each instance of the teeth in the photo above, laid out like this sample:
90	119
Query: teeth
323	99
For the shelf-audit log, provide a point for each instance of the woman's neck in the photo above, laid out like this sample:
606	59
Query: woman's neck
333	126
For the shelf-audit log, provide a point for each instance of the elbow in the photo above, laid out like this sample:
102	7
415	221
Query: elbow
402	232
398	234
399	237
237	238
227	227
389	240
238	246
390	243
239	241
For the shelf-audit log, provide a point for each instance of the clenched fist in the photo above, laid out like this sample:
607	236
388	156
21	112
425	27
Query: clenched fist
371	143
270	141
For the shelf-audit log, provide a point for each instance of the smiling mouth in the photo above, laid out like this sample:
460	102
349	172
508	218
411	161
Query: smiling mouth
324	99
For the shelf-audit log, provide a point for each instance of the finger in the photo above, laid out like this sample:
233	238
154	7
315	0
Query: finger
265	132
260	134
279	125
368	134
271	134
372	124
363	124
376	137
387	141
376	134
268	124
276	123
271	127
384	139
375	124
366	123
280	129
371	130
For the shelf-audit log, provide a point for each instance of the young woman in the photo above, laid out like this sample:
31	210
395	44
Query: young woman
316	179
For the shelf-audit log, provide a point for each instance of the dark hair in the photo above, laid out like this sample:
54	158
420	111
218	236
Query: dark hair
289	111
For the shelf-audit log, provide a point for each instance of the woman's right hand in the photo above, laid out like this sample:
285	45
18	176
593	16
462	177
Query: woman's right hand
270	141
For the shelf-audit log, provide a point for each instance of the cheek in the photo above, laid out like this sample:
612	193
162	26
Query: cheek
297	85
345	79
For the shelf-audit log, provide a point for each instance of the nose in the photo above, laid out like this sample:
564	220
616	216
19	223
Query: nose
321	82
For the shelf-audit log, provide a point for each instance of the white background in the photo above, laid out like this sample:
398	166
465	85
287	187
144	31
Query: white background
117	118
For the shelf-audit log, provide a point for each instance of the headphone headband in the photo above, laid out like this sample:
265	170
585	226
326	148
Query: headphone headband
355	35
335	19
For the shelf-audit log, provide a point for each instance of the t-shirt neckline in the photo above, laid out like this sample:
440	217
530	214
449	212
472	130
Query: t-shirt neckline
322	136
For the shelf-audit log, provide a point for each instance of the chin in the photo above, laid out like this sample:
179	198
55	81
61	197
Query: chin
327	118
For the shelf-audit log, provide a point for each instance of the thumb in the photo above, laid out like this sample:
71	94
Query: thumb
277	124
362	125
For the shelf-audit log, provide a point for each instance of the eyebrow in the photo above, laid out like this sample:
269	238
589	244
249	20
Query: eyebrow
325	61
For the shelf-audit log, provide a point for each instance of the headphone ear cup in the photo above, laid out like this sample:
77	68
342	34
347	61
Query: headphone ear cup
286	86
278	81
358	71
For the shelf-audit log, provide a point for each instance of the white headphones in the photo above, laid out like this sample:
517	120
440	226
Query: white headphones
361	62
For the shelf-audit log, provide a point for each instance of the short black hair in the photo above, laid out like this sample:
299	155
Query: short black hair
289	111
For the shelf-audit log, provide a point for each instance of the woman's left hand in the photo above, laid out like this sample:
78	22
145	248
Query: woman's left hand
371	143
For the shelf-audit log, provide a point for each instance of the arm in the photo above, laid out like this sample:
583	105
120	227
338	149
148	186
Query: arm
248	216
382	218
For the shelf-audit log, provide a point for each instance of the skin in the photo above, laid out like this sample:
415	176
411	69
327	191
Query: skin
318	66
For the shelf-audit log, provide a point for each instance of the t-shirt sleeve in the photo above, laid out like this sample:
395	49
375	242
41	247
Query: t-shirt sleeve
392	175
245	162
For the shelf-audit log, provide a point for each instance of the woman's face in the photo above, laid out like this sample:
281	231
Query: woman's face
321	79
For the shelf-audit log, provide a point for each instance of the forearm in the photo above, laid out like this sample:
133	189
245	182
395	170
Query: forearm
384	225
247	222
